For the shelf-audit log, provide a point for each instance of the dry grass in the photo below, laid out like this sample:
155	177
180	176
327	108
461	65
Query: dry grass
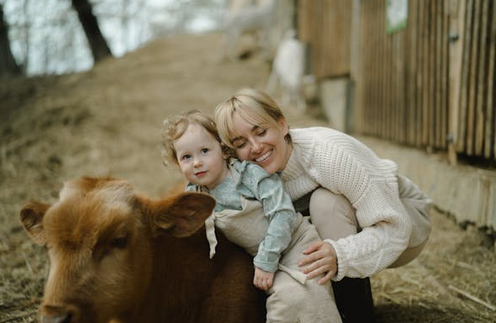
107	122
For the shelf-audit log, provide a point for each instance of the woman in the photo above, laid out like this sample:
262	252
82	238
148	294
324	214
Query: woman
369	217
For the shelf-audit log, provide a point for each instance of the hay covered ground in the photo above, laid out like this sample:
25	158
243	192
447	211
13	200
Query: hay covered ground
107	122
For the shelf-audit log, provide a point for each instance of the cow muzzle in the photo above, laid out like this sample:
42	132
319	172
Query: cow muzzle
58	314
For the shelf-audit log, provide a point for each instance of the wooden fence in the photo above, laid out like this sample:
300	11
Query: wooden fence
429	85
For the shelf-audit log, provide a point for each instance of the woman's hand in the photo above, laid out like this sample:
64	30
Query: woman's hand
321	260
263	279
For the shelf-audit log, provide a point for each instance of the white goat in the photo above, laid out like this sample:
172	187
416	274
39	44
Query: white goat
288	68
254	18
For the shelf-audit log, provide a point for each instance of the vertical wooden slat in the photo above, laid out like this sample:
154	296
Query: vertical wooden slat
385	65
464	87
457	37
385	59
400	104
438	107
305	20
472	94
426	30
411	89
433	71
420	72
480	83
356	55
444	76
489	151
375	77
363	82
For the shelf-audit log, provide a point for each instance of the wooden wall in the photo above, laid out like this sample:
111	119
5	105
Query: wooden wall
325	26
429	85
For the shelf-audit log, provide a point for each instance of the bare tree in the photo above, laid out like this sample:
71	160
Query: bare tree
97	42
8	65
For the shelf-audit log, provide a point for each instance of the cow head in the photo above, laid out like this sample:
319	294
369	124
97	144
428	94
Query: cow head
99	238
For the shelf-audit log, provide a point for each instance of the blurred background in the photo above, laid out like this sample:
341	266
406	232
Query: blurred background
46	37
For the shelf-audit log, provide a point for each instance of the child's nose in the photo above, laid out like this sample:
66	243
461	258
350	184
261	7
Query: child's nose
197	162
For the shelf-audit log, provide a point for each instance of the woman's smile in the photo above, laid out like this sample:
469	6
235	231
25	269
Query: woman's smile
264	157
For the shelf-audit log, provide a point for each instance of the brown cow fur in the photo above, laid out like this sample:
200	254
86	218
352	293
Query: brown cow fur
121	257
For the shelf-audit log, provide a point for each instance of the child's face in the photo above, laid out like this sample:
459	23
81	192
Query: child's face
262	144
200	157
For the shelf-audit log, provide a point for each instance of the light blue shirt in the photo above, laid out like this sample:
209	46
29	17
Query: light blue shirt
254	183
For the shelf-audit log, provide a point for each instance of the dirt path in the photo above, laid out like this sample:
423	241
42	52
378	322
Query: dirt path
107	122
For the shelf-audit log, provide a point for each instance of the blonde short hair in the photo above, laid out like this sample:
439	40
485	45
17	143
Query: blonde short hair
175	126
254	106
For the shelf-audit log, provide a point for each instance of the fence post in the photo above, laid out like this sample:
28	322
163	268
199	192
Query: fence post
456	39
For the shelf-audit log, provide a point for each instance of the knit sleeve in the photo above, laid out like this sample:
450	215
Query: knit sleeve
345	166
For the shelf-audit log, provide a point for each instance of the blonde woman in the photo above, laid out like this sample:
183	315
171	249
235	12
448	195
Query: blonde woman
369	216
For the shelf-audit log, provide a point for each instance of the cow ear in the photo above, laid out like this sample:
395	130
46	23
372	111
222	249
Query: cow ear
183	214
31	217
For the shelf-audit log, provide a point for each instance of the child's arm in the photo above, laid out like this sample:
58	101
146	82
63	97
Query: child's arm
279	210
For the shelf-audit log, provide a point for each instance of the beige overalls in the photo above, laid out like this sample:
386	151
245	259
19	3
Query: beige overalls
292	298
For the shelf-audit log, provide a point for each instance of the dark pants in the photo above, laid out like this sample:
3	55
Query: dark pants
354	300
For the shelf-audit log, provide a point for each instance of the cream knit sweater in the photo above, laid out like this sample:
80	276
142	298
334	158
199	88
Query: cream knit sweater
331	159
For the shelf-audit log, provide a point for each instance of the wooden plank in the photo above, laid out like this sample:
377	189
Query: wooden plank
461	143
374	77
474	48
420	72
444	76
481	86
434	87
432	76
385	63
386	60
489	150
317	36
438	107
426	75
399	105
411	89
356	75
305	20
457	36
366	67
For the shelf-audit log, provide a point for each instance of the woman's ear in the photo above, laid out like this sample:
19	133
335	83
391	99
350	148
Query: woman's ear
284	125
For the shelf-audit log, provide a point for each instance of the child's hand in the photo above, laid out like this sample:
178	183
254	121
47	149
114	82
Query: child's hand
263	279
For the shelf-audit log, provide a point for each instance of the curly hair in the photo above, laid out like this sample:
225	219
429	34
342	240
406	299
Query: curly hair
175	126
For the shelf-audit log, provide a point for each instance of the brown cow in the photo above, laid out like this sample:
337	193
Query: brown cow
116	256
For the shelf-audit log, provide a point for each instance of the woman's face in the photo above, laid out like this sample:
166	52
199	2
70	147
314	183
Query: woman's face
262	144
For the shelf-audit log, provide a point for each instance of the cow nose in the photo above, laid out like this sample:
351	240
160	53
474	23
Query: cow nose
55	314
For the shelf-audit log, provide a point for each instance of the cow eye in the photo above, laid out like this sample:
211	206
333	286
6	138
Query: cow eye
119	242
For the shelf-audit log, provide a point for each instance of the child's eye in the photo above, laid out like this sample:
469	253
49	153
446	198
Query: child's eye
204	150
185	157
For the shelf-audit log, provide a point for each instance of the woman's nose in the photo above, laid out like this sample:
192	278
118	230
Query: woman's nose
256	147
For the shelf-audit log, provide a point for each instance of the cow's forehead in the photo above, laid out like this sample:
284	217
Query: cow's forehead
84	211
